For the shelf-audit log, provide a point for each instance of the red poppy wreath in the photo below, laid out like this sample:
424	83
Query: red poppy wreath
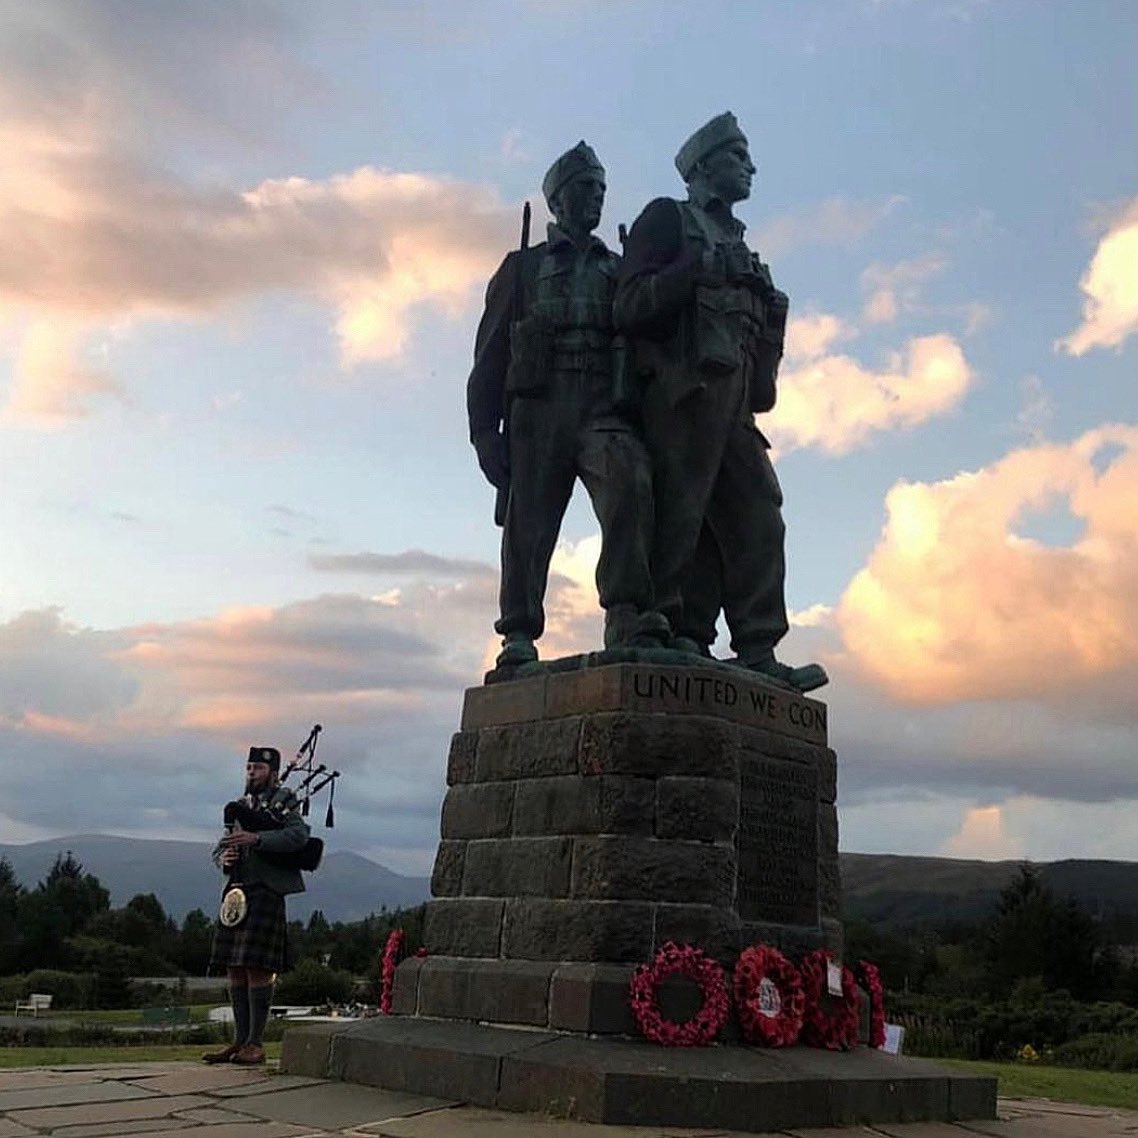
870	977
391	953
831	1022
768	997
696	965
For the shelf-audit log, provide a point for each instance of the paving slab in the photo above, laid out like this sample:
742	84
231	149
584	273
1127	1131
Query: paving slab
837	1132
475	1122
924	1130
214	1115
238	1130
61	1094
150	1106
117	1129
202	1079
275	1082
339	1106
26	1079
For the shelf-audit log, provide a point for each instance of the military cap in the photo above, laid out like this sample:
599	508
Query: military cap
580	159
269	755
711	136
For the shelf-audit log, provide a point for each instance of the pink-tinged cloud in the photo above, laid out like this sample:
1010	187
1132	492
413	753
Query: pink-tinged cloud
1110	289
836	404
98	230
955	604
834	221
895	288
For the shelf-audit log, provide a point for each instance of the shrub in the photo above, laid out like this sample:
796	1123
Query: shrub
69	990
1099	1051
312	983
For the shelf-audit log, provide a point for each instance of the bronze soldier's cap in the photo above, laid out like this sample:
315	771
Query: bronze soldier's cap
573	162
268	755
711	136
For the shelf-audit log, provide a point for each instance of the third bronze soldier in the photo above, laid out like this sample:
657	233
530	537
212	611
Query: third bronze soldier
709	325
547	405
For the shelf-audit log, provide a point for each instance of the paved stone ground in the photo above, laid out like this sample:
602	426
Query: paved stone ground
173	1099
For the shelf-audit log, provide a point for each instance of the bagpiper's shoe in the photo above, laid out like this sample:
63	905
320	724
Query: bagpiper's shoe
517	648
249	1056
225	1055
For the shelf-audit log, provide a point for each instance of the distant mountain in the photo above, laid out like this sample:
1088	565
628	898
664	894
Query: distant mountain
883	888
896	890
346	887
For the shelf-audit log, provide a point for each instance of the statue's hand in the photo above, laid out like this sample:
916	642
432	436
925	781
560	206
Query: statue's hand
493	457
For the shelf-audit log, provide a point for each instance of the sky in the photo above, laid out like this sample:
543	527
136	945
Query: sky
243	248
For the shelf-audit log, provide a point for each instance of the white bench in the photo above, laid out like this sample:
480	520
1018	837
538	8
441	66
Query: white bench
37	1002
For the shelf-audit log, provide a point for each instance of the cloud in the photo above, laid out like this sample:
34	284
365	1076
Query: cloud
156	717
836	404
810	337
831	222
409	561
981	835
895	288
50	379
1037	411
97	231
955	605
1110	288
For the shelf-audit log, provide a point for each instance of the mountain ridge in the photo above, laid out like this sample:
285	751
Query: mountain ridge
346	887
888	889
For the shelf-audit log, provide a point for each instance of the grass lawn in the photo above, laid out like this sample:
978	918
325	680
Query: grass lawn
54	1056
1062	1084
124	1017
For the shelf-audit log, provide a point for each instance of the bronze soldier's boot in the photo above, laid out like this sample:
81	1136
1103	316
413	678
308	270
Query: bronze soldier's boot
517	648
625	627
802	679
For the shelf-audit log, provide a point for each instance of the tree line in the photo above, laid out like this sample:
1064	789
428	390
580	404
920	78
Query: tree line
66	923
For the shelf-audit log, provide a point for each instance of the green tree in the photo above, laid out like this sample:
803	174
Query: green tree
10	893
1036	935
58	908
195	942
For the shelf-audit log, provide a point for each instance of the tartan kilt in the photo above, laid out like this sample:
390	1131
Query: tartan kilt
260	941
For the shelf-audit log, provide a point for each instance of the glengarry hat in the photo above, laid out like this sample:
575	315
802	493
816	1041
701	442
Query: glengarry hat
573	162
711	136
268	755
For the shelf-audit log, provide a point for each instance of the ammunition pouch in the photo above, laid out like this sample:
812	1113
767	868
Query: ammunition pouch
531	356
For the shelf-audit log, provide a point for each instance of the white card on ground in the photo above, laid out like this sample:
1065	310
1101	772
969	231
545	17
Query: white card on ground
894	1039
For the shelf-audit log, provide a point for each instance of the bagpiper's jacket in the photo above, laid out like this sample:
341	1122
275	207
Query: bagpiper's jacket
255	869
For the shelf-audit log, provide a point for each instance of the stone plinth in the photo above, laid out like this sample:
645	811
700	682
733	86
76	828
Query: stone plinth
592	816
635	1083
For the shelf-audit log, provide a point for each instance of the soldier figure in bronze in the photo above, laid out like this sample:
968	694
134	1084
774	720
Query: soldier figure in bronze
548	403
708	327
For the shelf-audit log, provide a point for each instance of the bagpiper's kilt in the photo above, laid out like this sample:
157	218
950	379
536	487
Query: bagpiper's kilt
259	941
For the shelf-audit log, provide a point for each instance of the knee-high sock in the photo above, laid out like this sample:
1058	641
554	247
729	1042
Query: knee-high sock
260	1000
239	997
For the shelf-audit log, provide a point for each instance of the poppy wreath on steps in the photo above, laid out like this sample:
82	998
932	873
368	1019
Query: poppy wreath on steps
830	1022
697	966
392	951
870	977
769	999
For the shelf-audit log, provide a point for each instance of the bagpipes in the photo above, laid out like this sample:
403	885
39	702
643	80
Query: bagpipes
271	815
